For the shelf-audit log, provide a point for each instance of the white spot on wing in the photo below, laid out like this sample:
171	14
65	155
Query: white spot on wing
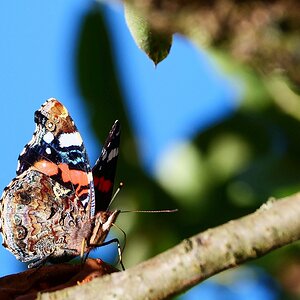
18	166
23	151
90	176
85	202
113	153
103	154
48	137
70	139
48	150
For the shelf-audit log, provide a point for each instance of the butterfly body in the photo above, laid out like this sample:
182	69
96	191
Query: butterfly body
48	210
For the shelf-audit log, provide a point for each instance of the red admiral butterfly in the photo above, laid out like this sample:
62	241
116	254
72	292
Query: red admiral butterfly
57	206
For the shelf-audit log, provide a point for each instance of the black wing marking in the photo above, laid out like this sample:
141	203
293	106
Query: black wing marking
104	170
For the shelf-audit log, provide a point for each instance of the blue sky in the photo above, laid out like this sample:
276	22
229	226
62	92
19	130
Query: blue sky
183	95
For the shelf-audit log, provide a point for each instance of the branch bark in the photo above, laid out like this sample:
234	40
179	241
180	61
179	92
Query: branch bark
274	224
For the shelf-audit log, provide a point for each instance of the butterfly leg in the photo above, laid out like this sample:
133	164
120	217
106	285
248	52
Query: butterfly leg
115	240
83	256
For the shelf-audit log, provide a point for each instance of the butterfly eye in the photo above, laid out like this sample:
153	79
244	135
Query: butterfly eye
50	125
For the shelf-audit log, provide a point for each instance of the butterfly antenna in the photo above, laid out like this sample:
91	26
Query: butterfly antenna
121	185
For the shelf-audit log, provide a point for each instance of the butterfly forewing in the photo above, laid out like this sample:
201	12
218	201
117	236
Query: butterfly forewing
56	149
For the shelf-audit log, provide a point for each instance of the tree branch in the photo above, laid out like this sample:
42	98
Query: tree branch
274	224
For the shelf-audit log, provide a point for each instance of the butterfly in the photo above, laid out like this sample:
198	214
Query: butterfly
56	208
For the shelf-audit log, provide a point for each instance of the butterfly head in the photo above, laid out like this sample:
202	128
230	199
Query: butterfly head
103	222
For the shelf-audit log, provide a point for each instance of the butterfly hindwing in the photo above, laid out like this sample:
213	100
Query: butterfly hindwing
104	170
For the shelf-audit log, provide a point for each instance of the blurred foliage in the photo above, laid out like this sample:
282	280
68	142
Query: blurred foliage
262	33
234	166
99	86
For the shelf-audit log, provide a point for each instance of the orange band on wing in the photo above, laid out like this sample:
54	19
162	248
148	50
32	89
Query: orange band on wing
82	192
47	167
67	175
75	176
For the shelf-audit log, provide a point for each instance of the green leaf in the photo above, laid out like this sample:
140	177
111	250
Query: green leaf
155	44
